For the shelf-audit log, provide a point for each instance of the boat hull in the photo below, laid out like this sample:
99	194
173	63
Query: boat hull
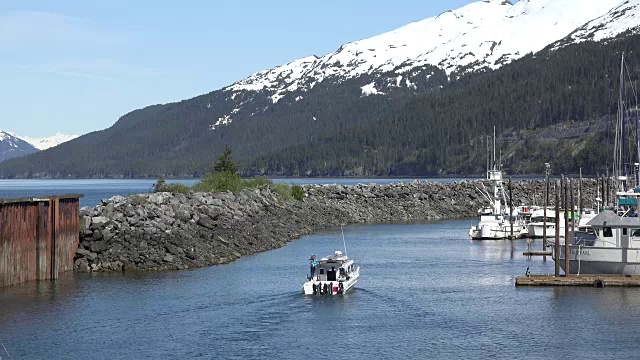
496	232
536	230
601	260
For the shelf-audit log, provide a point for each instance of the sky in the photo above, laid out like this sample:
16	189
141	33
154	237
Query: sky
76	66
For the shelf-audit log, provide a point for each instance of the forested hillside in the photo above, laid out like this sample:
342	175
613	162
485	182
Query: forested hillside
443	133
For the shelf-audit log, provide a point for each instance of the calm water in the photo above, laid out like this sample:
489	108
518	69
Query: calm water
426	291
96	189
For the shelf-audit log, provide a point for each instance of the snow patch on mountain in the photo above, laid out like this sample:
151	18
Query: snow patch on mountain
48	142
623	17
487	33
370	89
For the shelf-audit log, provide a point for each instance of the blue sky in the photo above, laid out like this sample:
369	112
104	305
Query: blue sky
75	66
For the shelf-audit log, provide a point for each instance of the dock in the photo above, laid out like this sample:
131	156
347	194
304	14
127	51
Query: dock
598	281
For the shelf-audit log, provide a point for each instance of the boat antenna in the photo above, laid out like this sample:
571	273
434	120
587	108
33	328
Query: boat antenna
344	242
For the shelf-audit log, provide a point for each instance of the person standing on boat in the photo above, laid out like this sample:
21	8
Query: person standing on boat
313	263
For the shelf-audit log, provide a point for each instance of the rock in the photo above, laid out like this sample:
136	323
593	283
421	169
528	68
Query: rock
99	246
107	234
166	220
98	222
183	215
222	241
83	252
212	212
207	222
172	249
97	235
85	223
81	265
159	197
168	258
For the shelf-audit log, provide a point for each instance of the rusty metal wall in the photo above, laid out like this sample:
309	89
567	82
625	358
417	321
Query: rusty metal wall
38	237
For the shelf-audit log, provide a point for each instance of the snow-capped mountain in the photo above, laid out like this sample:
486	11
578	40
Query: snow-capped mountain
12	146
48	142
483	34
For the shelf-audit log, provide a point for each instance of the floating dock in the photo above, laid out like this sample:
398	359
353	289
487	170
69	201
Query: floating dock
580	280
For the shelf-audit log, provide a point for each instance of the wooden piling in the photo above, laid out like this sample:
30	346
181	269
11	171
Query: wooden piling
546	204
566	227
557	246
580	205
511	208
573	207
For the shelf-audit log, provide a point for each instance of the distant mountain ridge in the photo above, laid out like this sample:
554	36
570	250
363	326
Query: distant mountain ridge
369	89
48	142
12	145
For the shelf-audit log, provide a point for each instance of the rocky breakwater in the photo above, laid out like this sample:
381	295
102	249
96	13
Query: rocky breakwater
163	231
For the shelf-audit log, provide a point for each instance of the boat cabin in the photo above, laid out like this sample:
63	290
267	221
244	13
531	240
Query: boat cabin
615	231
336	267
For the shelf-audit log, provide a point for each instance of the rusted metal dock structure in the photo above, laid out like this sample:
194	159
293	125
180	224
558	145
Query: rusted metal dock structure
38	237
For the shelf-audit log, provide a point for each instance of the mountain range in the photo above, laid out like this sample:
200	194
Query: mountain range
379	106
12	145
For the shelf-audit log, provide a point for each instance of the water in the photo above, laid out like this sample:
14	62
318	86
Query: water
96	189
425	291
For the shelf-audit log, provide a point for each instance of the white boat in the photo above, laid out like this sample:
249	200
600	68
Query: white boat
615	249
335	274
497	221
496	226
537	224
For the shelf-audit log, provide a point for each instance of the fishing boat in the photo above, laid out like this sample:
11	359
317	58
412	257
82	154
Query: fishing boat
615	248
537	224
334	275
497	221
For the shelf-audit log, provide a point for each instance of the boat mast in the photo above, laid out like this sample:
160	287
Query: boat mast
623	130
637	164
494	148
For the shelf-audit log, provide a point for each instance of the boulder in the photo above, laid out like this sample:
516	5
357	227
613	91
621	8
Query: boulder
172	249
98	222
183	215
107	234
99	246
207	222
82	265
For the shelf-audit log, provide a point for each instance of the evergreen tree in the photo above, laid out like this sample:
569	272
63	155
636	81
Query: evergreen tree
225	162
